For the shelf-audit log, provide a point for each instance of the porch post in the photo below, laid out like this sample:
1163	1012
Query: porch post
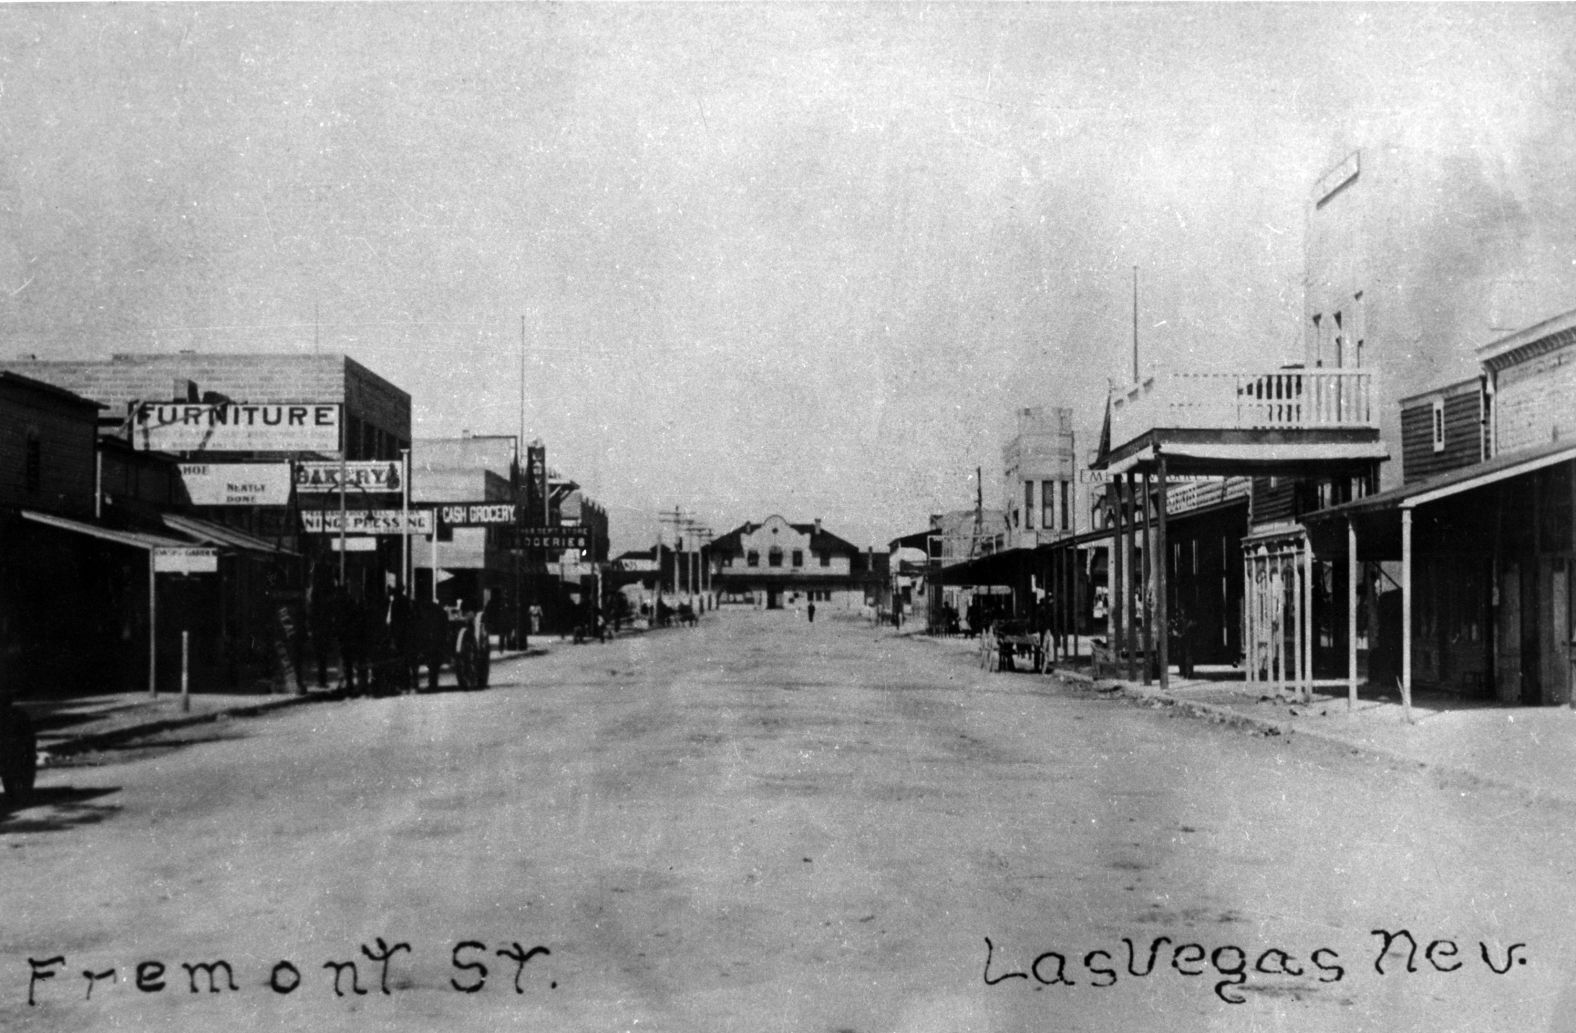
153	627
1146	584
1115	586
1250	599
1063	601
1162	569
1307	614
1406	614
1351	615
1132	581
1297	645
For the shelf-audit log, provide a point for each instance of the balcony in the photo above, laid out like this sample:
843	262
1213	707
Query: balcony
1291	421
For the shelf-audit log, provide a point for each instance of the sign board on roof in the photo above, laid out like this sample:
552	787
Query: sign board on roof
363	475
194	560
368	521
237	484
235	426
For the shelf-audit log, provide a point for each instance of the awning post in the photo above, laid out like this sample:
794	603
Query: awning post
1132	581
1406	614
153	624
1351	615
1146	585
1162	569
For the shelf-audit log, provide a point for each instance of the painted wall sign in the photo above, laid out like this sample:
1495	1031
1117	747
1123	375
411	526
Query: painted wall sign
478	514
235	427
368	521
237	484
195	560
363	475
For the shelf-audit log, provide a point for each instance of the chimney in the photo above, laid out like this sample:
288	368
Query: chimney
817	525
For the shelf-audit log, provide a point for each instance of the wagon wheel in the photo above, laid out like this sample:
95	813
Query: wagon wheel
18	757
483	662
465	673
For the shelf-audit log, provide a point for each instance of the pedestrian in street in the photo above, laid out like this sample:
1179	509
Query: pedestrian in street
350	623
810	612
320	623
431	632
374	622
401	641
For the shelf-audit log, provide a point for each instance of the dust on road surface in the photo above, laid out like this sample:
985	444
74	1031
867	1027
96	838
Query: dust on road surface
765	824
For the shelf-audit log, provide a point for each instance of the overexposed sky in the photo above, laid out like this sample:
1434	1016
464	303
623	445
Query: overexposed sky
791	258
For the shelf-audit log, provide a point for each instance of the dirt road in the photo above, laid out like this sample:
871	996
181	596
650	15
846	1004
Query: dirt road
765	824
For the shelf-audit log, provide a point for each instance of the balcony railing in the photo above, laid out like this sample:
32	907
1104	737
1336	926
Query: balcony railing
1285	399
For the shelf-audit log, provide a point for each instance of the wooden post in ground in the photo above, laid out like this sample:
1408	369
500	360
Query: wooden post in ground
1406	614
1161	568
1351	615
1146	587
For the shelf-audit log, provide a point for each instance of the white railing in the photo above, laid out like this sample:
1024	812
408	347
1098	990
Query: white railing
1285	399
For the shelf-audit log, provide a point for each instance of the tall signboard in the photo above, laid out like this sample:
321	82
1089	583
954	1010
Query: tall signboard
535	484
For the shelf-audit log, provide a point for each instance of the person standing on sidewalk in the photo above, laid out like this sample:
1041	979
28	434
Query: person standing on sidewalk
810	612
350	624
320	623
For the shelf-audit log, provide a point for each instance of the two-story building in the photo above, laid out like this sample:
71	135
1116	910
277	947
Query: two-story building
1480	531
776	564
213	448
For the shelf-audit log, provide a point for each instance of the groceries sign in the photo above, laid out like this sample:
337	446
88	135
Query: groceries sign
235	426
554	538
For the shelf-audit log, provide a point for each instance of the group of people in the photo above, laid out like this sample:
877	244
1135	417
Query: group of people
381	639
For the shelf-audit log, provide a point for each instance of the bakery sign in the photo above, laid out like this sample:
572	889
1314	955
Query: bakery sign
237	484
363	475
235	426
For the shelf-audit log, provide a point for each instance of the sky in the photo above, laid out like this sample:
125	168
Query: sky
737	259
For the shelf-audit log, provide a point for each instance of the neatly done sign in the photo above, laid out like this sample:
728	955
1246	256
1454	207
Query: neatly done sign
235	426
237	484
363	475
367	521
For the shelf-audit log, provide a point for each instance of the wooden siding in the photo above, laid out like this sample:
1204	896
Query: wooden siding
1274	498
1463	437
66	434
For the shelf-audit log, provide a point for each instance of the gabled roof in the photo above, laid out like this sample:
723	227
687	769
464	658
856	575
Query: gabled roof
820	541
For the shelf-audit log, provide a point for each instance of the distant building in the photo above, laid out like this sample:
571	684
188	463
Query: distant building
1038	474
776	564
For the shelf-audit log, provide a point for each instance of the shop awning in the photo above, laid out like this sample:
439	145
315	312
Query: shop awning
133	539
1469	478
998	568
225	537
1377	518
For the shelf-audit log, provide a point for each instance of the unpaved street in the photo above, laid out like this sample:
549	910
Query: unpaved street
765	824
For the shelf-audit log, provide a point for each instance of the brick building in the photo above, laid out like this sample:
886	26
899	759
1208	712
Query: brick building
169	424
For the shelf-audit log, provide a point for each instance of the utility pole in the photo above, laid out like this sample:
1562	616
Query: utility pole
1135	324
